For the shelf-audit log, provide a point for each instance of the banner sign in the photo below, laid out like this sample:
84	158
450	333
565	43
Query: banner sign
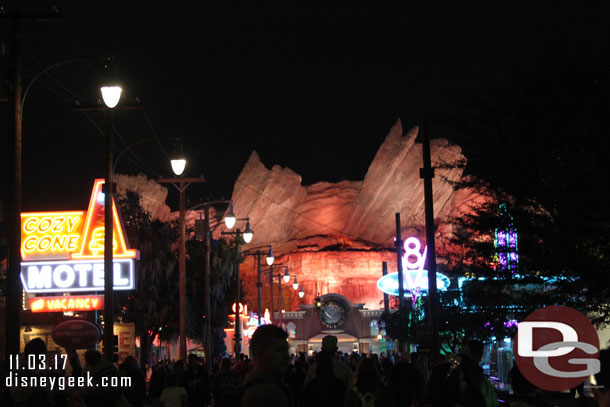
67	303
75	275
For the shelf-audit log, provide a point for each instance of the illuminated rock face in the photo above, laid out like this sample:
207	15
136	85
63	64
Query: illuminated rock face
152	194
334	236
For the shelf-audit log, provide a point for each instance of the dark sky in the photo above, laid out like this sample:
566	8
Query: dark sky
314	89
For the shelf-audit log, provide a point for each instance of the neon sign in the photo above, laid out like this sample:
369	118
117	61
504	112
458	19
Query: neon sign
72	235
92	244
64	251
74	276
68	303
50	235
415	278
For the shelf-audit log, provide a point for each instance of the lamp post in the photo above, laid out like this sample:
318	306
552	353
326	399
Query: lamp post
259	284
247	238
181	183
15	100
427	173
203	233
111	95
280	277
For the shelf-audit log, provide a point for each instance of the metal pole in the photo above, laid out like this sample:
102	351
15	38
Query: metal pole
427	173
108	247
207	323
399	248
259	286
386	299
182	278
237	331
13	282
280	299
271	288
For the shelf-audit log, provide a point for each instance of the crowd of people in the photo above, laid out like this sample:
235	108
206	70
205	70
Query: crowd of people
276	379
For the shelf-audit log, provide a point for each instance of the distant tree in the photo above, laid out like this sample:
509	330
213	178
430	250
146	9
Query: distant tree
538	142
224	259
154	305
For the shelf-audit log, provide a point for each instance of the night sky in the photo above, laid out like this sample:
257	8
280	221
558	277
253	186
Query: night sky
313	89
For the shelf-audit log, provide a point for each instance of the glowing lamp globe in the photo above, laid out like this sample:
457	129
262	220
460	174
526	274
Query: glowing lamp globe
301	293
178	165
230	218
248	233
111	95
286	276
295	285
270	257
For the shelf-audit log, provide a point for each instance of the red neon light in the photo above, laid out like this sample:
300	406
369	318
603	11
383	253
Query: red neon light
68	303
92	243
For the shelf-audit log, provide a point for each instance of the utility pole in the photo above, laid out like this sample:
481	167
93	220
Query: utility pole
181	183
259	286
399	243
207	325
237	330
427	173
386	298
108	246
14	294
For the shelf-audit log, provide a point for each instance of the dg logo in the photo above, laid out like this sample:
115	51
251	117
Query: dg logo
556	348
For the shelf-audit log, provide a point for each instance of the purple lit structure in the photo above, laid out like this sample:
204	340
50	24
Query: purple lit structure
506	243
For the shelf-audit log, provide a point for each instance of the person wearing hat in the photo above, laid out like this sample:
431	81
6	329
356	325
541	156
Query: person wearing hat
340	369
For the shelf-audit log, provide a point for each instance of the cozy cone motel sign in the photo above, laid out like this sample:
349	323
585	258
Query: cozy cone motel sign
64	252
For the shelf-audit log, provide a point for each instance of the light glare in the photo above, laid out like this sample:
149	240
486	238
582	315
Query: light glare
178	166
111	95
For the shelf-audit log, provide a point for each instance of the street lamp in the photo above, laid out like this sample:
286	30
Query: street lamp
238	238
178	162
203	233
230	217
259	283
280	277
301	293
295	284
248	233
181	183
111	96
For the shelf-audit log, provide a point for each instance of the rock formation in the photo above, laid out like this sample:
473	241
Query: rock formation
334	236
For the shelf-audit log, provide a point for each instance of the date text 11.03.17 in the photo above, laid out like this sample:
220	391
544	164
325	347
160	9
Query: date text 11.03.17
37	362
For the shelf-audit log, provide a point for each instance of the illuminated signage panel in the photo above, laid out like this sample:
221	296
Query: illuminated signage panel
74	275
389	283
92	246
415	277
72	235
50	235
67	303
